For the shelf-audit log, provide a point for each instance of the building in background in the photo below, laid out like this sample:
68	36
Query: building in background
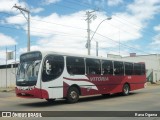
8	75
152	62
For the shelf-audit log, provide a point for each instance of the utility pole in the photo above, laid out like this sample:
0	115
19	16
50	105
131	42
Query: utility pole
6	66
15	61
88	31
96	48
89	17
22	10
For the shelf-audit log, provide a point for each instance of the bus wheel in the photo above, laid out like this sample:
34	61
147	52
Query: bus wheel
50	100
73	95
126	89
105	95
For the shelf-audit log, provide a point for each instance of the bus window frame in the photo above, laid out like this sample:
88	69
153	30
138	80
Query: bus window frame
82	58
132	68
43	65
143	73
115	69
102	67
135	70
94	71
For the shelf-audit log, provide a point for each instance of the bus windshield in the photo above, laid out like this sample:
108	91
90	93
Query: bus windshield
28	69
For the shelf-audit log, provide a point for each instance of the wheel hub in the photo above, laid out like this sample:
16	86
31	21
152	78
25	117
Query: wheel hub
126	89
73	95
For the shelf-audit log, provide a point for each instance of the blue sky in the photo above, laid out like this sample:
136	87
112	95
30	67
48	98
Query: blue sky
59	25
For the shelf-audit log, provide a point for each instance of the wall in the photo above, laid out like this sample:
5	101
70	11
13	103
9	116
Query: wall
11	77
152	64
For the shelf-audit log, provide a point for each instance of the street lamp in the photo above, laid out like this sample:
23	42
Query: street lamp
109	18
87	45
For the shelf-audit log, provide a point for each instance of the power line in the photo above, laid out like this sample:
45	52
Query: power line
130	23
88	5
43	29
74	36
84	28
41	32
77	3
127	51
65	6
59	24
151	33
121	43
11	27
47	22
79	36
120	29
116	17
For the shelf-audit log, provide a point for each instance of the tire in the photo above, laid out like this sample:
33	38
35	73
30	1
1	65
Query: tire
72	95
126	89
50	100
105	95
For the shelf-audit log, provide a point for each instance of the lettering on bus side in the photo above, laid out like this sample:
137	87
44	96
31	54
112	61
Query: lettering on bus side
98	78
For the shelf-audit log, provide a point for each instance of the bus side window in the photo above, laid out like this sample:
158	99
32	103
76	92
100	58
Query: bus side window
137	69
118	68
143	70
107	67
53	67
75	65
93	66
128	68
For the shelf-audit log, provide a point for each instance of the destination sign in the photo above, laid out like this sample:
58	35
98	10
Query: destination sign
32	56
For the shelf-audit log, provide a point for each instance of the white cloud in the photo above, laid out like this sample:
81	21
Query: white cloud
156	38
139	14
47	2
54	37
17	19
36	10
100	3
157	28
55	24
113	31
114	2
3	57
6	40
7	5
144	9
125	26
103	3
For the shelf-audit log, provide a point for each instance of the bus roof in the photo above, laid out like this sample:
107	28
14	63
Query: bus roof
44	53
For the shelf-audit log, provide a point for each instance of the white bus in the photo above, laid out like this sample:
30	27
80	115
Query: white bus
52	75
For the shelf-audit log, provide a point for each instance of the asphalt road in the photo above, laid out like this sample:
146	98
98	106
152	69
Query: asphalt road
147	99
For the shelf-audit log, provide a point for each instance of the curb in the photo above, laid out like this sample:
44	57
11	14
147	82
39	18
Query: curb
153	84
7	90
